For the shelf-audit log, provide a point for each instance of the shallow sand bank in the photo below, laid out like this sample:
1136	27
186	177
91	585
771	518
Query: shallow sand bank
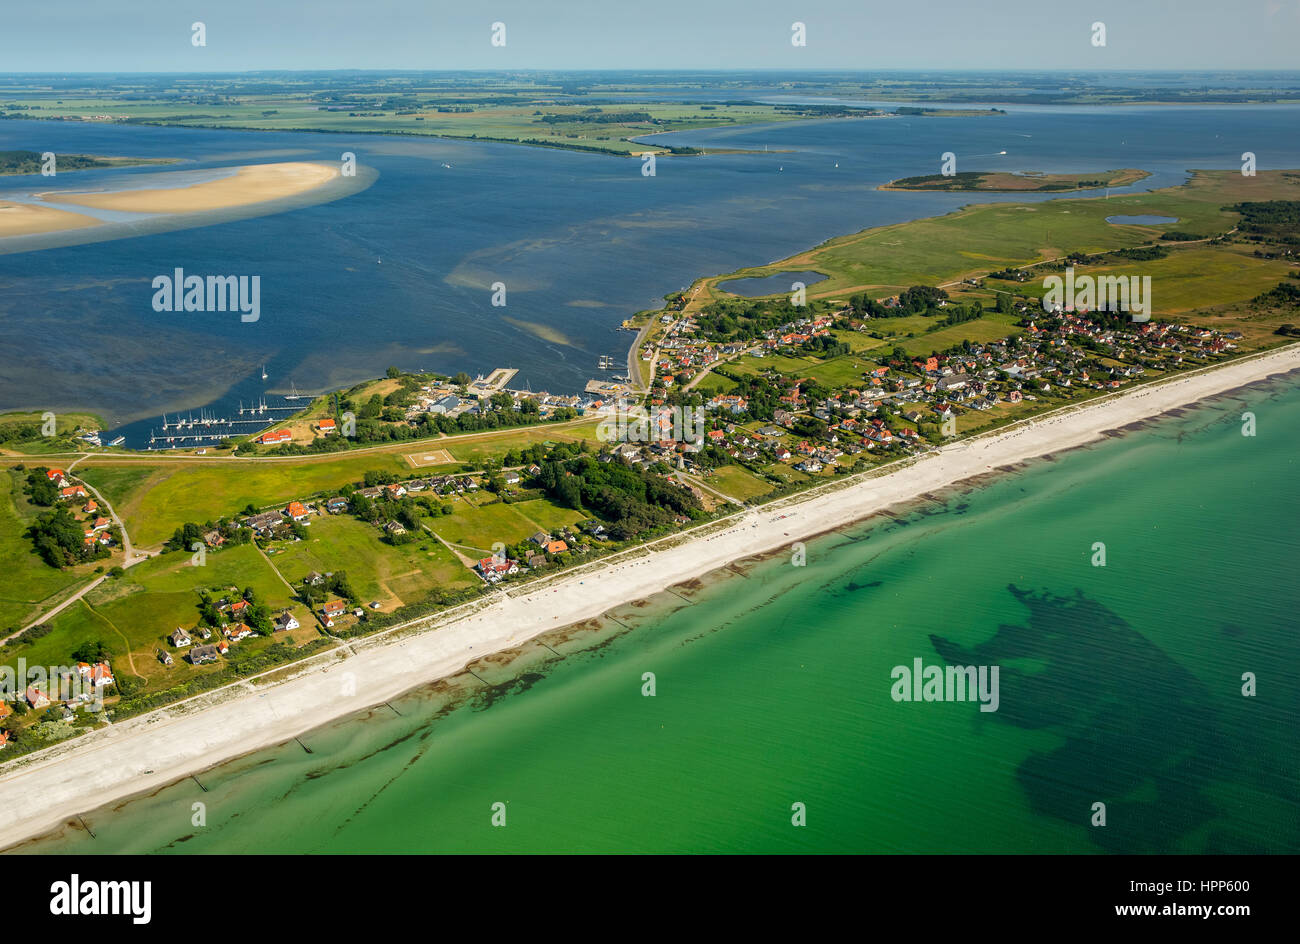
254	184
24	219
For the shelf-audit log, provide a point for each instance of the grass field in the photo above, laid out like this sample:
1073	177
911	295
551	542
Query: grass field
377	571
989	328
476	447
1190	279
548	517
737	482
173	493
28	585
154	497
553	125
480	526
133	613
986	237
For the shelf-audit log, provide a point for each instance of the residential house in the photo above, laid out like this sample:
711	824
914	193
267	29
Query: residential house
98	674
332	609
297	511
327	426
180	639
276	438
200	655
36	698
267	521
493	569
285	622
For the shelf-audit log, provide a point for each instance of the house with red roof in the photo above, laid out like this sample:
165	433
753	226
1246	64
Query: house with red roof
296	510
275	438
98	674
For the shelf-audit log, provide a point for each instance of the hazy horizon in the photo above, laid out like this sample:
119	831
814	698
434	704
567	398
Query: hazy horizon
151	36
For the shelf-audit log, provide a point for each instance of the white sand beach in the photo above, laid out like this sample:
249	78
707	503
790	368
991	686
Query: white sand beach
41	791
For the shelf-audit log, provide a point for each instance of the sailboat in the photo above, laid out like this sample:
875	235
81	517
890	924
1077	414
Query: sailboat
264	372
293	392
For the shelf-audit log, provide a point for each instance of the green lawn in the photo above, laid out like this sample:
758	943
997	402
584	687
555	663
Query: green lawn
548	516
376	570
133	613
28	585
481	527
153	506
737	482
989	328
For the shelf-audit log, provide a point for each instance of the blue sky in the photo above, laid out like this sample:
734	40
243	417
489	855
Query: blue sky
154	35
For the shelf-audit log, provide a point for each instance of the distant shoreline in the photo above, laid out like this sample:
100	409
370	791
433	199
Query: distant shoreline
41	790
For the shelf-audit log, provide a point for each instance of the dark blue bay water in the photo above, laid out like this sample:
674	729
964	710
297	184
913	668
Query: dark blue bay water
401	272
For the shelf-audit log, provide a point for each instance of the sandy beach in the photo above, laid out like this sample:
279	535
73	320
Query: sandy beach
24	219
141	754
254	184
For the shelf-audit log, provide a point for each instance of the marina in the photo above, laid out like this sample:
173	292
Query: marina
209	427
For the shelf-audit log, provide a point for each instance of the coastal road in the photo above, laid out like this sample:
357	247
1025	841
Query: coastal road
413	445
60	608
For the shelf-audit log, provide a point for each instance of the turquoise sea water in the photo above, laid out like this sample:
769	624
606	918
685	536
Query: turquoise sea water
1119	684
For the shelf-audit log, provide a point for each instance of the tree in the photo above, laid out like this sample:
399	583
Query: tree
92	650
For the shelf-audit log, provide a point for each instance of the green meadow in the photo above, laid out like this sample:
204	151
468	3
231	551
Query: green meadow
987	237
393	575
28	585
480	526
132	614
